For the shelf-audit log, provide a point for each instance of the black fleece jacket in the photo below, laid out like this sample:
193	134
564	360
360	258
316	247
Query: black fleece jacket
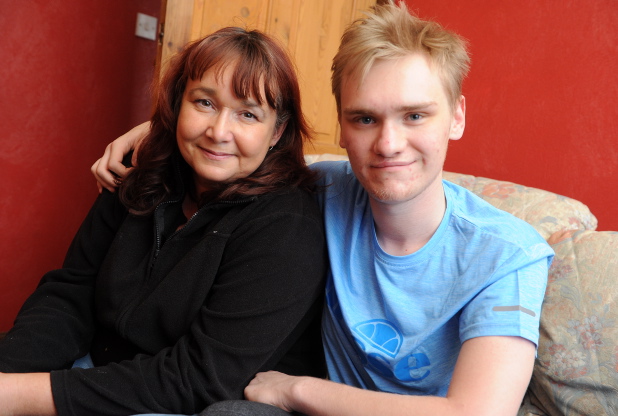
176	320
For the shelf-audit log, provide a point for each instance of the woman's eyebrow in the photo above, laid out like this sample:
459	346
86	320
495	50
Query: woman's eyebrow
205	90
251	103
247	102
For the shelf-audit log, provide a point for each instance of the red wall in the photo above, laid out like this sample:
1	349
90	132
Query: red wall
73	77
541	95
541	109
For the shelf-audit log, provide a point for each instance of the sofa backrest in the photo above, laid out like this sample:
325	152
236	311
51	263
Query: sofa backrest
546	211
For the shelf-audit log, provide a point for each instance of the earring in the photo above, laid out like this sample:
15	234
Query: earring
270	148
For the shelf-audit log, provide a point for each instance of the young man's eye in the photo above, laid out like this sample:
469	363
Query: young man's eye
415	117
365	120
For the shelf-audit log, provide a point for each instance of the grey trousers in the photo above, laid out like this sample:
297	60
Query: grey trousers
242	408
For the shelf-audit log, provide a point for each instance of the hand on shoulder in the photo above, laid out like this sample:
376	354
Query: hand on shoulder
109	170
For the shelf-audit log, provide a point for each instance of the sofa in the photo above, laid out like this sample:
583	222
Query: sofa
576	369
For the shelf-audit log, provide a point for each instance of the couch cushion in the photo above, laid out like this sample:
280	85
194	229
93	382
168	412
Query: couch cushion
576	371
546	211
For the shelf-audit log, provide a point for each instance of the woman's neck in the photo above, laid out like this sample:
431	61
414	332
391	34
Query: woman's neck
189	205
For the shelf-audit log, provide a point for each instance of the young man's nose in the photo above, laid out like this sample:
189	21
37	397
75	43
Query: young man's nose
389	141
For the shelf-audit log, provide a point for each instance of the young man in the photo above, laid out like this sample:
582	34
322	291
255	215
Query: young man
434	296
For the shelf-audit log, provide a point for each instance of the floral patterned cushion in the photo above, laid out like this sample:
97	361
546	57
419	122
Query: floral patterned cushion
576	371
546	211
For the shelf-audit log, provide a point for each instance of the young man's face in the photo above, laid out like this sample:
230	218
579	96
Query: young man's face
395	126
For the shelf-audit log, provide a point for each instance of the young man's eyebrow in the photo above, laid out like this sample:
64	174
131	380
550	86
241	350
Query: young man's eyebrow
418	106
356	111
405	108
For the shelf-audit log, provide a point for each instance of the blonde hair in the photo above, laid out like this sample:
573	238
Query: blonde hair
390	31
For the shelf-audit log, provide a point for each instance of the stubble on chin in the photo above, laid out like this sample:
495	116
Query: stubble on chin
381	194
380	191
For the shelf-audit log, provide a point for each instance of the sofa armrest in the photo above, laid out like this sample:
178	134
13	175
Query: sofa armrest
576	370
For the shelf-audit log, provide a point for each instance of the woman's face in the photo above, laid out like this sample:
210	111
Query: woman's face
223	137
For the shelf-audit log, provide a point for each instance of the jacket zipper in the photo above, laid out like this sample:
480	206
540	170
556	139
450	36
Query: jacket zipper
126	313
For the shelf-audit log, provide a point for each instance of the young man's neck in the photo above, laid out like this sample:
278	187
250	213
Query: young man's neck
405	227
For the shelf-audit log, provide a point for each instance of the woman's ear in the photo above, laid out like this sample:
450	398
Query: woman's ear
278	133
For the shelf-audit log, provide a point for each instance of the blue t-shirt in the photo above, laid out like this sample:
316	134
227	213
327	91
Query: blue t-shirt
396	323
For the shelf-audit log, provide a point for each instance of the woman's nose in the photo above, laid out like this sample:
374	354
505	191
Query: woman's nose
220	130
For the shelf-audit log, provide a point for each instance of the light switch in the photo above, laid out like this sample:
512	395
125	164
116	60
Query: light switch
146	26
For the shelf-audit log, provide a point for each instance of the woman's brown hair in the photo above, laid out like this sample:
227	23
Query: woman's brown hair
257	60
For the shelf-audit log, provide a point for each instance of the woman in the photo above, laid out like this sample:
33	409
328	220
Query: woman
205	268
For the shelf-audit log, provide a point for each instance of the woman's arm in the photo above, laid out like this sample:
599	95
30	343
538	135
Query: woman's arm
26	394
269	280
109	168
55	325
490	378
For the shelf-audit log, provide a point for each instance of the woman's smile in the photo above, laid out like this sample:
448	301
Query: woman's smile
212	155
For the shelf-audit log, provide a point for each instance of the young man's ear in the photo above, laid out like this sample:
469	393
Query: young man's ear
342	140
458	123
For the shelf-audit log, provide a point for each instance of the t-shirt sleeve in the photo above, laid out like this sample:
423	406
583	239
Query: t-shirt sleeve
510	303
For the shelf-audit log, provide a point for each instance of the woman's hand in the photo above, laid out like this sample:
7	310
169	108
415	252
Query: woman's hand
109	170
272	388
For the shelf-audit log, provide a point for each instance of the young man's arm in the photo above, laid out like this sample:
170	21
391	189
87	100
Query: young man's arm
109	167
490	378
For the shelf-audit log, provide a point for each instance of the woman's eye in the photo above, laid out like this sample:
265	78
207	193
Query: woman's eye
249	115
204	102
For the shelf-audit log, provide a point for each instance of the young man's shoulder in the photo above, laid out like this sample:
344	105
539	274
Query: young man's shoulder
335	178
332	170
472	212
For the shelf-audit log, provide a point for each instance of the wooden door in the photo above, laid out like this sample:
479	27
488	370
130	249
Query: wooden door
310	29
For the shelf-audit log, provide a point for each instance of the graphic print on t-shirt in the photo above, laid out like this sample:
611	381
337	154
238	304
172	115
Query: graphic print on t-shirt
381	342
381	335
